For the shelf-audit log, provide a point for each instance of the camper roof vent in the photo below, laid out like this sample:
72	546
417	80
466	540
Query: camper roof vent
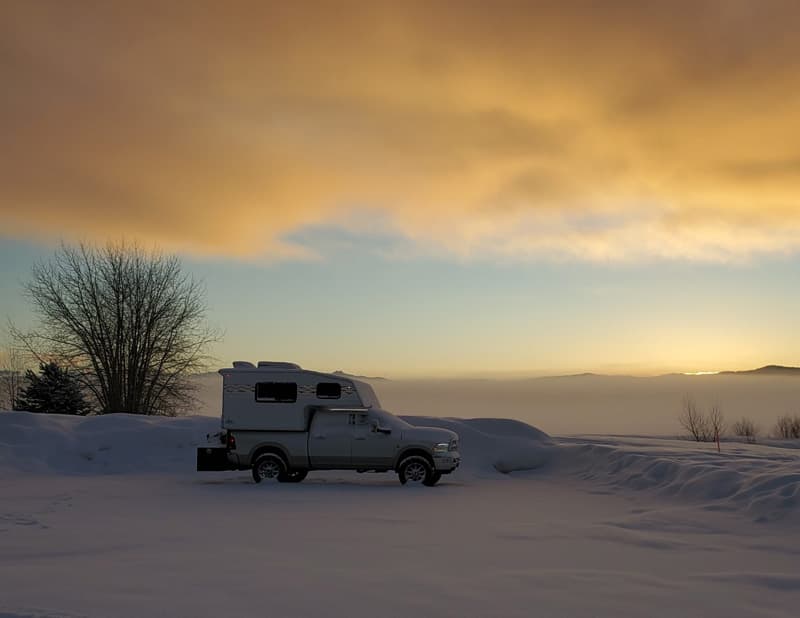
243	365
278	365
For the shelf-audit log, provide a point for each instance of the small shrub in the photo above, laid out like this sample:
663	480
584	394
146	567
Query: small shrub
745	428
692	421
702	427
716	423
788	427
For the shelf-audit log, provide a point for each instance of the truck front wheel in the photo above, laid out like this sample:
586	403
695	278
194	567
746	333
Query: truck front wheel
435	478
268	467
417	471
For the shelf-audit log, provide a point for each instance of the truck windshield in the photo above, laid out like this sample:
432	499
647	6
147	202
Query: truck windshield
388	420
368	397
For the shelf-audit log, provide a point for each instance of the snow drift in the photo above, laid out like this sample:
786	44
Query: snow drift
119	443
762	481
492	445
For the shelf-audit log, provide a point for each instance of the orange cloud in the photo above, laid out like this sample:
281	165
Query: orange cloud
511	130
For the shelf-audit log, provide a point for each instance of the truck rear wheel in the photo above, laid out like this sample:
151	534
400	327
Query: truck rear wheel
268	467
416	470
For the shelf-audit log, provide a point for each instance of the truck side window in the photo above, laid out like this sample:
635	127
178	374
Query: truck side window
329	390
276	392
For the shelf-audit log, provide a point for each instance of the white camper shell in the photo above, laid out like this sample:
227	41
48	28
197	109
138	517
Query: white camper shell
279	396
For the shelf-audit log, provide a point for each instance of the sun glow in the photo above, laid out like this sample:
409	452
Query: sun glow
701	373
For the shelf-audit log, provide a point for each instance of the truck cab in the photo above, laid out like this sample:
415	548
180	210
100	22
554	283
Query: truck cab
282	421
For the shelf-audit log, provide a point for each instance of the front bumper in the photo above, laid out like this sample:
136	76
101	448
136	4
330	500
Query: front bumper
447	462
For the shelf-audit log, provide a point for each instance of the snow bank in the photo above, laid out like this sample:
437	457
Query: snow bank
762	481
118	443
492	445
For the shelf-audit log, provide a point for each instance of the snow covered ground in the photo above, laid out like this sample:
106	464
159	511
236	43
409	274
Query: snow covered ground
105	516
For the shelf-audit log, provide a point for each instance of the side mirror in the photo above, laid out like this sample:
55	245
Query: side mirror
376	428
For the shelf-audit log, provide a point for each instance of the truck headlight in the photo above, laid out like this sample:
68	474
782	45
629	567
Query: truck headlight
441	448
454	445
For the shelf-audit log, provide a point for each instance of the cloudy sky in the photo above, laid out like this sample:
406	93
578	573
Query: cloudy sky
432	187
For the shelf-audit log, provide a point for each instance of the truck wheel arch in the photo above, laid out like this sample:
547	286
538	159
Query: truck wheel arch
269	448
410	452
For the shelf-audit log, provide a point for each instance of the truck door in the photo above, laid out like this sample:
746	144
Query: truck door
371	448
329	440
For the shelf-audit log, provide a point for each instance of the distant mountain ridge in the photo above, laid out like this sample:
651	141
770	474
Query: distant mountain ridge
766	370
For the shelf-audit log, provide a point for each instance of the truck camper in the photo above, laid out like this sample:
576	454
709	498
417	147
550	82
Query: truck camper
282	421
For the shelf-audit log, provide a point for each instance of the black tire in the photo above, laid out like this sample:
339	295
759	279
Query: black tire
293	476
269	467
435	478
416	470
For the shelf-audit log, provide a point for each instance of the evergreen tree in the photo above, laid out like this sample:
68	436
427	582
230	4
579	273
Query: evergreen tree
54	391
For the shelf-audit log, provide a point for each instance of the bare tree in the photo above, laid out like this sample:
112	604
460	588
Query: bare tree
129	322
693	421
715	423
12	375
745	428
788	427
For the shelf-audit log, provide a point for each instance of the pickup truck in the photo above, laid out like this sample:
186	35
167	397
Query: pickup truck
284	426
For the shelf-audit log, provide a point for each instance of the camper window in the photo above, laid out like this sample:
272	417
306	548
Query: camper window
276	392
329	390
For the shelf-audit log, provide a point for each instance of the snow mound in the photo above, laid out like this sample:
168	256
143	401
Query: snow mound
492	445
761	481
113	444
